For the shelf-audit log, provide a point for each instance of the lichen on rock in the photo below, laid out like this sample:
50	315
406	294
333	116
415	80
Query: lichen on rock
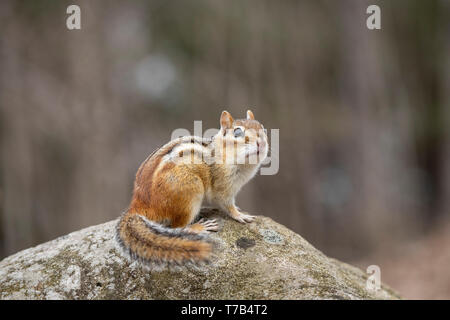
261	260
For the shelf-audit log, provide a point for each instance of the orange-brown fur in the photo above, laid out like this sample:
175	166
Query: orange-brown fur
167	195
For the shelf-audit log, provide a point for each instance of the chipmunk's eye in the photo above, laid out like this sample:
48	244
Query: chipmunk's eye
238	132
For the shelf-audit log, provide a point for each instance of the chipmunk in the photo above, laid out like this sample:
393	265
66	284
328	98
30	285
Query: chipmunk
172	183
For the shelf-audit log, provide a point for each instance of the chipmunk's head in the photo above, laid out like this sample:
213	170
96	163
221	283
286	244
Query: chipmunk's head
244	140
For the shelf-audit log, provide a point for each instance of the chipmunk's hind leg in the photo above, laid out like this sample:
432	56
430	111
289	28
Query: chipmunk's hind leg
177	196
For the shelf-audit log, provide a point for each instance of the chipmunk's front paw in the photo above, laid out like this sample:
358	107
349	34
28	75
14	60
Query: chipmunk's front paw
243	217
209	225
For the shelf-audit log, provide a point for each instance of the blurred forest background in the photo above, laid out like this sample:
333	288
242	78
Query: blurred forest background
363	117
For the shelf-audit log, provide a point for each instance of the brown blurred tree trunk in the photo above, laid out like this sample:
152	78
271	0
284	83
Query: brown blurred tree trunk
378	151
445	94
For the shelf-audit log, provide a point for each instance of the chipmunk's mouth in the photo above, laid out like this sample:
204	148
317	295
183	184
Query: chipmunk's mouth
259	151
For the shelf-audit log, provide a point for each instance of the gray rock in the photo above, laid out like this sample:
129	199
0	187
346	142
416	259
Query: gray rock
261	260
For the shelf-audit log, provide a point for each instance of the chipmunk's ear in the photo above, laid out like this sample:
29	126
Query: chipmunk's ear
250	115
226	120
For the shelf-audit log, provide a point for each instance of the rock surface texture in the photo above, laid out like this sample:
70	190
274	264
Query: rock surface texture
261	260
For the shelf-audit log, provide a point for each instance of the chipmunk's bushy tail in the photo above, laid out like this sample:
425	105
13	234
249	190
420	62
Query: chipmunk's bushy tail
154	244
